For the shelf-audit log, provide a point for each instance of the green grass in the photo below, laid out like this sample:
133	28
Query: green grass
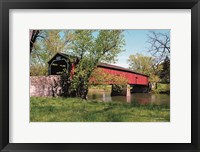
45	109
100	88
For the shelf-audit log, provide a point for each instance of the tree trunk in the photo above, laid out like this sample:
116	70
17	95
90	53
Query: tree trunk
156	85
33	36
65	83
85	93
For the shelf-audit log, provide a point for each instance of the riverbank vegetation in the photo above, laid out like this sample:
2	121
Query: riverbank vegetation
155	63
161	89
43	109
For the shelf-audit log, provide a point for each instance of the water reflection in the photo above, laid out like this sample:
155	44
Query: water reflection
141	98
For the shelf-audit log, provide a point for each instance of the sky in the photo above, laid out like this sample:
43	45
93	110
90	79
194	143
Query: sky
136	42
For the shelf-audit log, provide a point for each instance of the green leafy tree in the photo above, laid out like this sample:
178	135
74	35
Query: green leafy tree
140	63
165	72
100	76
92	47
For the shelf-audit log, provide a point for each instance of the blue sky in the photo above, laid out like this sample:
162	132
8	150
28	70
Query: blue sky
135	43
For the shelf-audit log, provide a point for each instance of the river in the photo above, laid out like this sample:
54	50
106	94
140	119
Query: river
141	98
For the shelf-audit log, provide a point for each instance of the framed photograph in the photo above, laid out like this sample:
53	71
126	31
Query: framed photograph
99	75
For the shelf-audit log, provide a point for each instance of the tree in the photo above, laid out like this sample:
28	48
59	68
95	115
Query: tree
159	48
165	72
47	45
33	35
159	45
140	63
99	76
92	47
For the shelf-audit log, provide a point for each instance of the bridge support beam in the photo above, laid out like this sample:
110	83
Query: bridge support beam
121	90
128	91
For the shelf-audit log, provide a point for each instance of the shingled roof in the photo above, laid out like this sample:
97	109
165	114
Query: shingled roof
110	66
62	54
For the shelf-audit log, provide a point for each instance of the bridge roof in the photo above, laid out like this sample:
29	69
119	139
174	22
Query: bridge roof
63	55
110	66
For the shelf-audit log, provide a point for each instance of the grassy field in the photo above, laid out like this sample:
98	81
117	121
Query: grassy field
78	110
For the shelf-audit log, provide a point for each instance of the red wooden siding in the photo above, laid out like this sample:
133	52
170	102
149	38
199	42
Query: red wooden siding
133	78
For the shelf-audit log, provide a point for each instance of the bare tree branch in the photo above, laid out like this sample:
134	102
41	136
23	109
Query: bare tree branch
159	45
33	36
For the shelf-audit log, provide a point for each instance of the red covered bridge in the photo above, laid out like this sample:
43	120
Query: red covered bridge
139	81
